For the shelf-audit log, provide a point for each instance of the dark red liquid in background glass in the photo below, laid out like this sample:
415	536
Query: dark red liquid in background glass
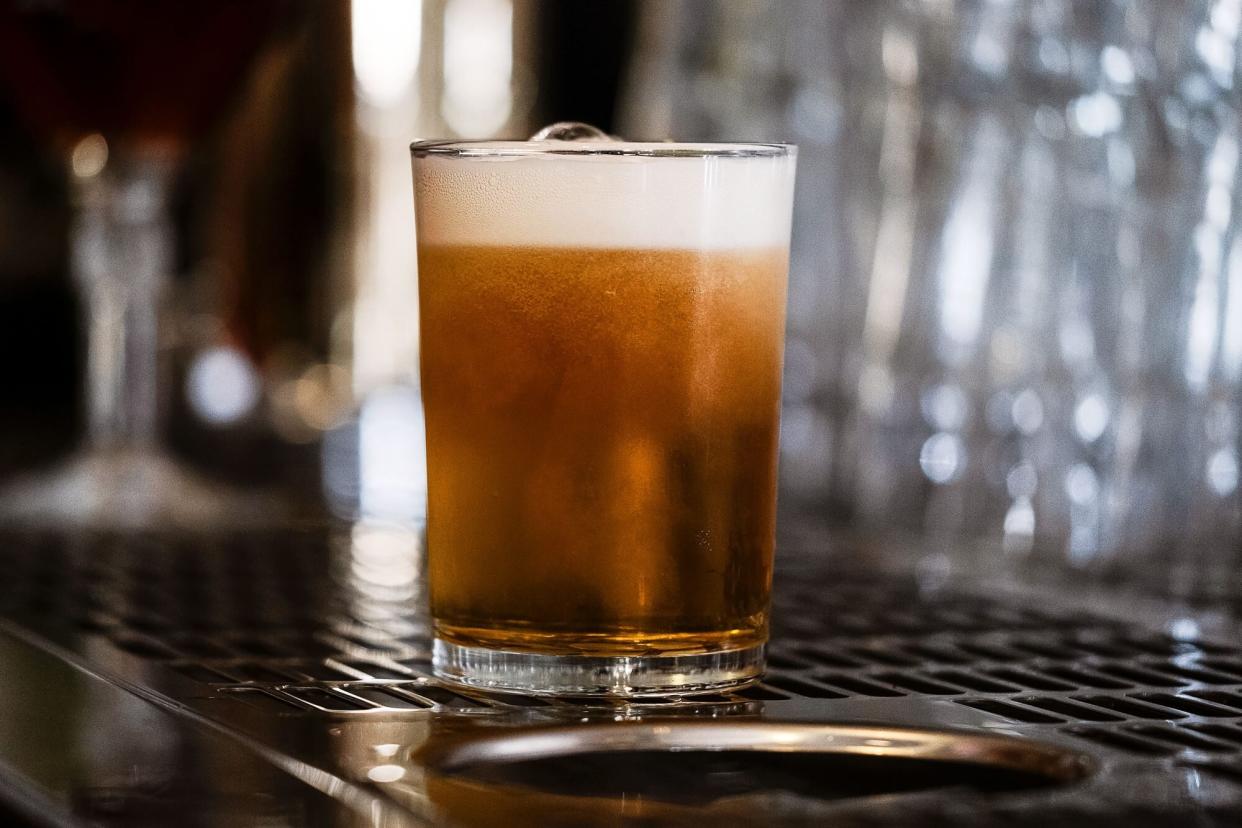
153	72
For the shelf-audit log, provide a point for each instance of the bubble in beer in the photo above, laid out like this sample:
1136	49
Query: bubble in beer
572	131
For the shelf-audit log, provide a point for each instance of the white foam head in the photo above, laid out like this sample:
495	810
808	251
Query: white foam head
605	195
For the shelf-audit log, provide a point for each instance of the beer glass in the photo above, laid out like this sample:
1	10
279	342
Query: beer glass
602	328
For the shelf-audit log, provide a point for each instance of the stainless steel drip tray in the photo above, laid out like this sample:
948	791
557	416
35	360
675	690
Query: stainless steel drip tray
738	769
982	702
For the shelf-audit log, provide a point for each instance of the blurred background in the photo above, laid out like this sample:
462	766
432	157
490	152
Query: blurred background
1015	323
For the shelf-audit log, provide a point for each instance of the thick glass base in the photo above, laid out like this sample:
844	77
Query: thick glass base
622	676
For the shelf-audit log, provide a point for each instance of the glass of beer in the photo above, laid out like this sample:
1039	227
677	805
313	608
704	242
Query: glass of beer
602	332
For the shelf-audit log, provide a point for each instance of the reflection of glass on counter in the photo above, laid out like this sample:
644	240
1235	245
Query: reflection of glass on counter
1015	299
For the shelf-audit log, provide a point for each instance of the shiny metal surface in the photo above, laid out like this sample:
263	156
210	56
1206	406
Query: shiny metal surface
76	749
306	652
732	769
1055	764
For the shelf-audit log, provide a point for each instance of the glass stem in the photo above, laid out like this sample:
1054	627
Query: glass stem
122	255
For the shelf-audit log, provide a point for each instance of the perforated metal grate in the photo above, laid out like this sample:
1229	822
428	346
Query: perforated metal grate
286	622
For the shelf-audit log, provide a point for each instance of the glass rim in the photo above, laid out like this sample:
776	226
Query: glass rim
455	148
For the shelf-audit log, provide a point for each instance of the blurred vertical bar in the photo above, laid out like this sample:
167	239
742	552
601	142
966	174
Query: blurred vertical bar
268	208
423	69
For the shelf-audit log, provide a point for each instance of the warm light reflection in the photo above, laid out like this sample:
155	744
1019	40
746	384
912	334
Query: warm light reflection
89	156
478	66
321	396
387	37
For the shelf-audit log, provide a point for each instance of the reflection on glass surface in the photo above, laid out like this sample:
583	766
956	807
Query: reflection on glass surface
1015	289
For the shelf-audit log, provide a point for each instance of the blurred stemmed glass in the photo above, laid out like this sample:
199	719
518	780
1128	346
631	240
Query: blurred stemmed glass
122	90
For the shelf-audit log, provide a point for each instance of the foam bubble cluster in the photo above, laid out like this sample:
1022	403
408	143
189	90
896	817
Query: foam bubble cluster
587	199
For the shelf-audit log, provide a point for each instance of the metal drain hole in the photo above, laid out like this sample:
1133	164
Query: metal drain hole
693	764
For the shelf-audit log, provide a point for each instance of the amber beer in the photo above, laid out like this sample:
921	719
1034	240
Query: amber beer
601	356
